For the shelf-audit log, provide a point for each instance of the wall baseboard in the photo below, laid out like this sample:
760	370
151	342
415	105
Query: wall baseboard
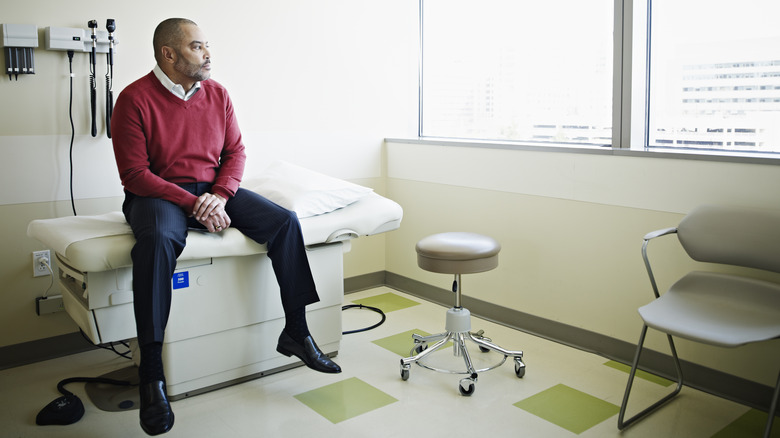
365	281
43	349
699	377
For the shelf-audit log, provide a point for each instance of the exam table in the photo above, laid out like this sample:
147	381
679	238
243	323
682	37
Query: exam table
226	313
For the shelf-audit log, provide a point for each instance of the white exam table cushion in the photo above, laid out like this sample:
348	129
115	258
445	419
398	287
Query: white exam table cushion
103	242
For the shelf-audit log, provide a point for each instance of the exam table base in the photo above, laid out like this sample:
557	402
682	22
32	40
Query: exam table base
114	398
178	358
224	324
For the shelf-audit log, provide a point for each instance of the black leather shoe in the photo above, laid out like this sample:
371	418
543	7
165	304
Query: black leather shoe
308	352
156	414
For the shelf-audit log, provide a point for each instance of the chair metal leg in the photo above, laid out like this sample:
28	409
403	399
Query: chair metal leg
623	424
772	409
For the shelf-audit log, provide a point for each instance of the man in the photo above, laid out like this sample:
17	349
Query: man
180	157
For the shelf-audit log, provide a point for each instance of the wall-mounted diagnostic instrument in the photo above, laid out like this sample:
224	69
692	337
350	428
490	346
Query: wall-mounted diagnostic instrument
110	27
19	40
76	39
92	76
92	41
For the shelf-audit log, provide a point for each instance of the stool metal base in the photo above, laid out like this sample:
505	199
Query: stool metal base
458	328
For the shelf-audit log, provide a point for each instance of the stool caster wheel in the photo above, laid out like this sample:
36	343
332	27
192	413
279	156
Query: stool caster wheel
405	372
519	368
466	386
419	347
480	334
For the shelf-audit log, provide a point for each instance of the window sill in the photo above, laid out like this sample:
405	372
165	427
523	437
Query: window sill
687	154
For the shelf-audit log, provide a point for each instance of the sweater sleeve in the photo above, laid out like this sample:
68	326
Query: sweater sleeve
232	158
132	157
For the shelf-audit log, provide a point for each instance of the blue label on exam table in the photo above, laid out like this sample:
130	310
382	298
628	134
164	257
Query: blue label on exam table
181	280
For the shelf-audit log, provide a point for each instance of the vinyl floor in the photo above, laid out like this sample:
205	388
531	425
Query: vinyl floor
565	392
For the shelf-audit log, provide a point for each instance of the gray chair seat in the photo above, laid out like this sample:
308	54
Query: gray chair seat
703	307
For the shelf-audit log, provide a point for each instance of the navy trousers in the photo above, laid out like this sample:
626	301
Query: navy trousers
160	229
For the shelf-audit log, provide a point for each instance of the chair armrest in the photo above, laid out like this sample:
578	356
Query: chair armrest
648	236
659	233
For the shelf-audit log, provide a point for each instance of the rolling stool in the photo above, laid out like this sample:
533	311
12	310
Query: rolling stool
458	253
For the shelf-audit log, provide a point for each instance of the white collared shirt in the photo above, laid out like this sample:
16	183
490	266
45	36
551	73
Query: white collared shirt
176	89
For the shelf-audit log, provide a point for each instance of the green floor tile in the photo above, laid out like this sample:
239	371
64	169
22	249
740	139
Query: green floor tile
568	408
639	373
344	400
387	302
750	424
401	344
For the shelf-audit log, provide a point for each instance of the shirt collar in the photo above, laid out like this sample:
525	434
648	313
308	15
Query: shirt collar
176	89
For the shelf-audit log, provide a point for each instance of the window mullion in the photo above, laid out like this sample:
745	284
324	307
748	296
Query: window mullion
622	74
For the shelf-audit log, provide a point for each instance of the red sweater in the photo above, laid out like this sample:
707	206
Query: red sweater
161	140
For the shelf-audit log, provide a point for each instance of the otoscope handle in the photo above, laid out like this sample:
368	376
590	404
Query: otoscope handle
93	102
109	106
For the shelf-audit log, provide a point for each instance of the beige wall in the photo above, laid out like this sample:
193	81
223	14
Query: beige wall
571	228
317	83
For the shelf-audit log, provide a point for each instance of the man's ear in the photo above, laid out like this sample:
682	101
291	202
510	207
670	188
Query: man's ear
168	54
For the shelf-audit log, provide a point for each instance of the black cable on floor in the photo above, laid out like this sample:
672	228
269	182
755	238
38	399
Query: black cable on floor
110	346
361	306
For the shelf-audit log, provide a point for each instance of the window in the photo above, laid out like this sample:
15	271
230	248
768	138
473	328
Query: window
517	70
704	76
715	75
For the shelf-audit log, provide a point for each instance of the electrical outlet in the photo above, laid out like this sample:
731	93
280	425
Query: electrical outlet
39	267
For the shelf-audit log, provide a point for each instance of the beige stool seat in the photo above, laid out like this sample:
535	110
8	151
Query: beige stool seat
458	253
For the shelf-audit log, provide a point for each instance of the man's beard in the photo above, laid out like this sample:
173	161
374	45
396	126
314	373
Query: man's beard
192	71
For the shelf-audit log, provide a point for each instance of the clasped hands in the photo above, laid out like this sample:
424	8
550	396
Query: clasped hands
209	210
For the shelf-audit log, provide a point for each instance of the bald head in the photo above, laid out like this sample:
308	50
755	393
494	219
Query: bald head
169	33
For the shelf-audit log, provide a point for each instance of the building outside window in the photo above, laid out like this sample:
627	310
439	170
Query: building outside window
715	75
